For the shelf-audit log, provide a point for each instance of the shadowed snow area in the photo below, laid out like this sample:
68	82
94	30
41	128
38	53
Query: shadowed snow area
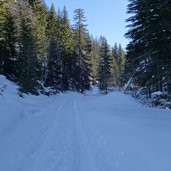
74	132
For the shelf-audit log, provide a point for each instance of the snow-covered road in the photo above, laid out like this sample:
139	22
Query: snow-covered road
73	132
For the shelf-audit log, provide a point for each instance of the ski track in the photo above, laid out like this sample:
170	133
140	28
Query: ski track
58	150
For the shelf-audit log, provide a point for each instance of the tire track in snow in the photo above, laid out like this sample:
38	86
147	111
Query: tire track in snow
59	149
87	162
42	150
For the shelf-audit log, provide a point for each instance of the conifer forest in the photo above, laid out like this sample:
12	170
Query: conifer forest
40	48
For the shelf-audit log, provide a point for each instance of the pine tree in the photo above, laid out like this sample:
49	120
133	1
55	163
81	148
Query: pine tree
52	22
104	66
3	5
81	62
40	12
148	52
121	56
121	65
54	65
66	42
114	68
95	59
30	64
10	40
115	53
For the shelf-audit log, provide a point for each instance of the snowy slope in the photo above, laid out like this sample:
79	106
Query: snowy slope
74	132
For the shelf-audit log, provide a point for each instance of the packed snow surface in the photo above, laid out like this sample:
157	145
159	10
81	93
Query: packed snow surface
74	132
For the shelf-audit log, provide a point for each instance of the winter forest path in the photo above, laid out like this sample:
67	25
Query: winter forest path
73	132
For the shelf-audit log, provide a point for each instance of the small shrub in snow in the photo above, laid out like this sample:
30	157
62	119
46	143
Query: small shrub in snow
157	99
161	100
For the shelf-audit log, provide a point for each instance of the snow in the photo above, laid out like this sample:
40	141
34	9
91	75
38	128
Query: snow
127	84
157	93
75	132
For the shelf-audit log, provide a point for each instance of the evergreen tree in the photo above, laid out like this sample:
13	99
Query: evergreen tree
114	68
121	65
118	58
121	60
95	59
53	78
115	53
51	22
10	39
3	5
54	66
30	64
81	62
40	12
66	47
40	25
104	66
148	52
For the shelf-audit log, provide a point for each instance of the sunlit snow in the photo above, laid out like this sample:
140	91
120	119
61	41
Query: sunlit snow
74	132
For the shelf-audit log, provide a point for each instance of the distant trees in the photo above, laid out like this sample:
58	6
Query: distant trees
149	53
39	48
104	71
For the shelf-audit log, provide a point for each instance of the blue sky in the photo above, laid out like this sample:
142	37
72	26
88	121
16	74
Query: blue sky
104	17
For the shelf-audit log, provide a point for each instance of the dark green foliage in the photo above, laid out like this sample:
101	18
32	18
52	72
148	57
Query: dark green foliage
118	63
40	11
81	62
3	5
104	66
40	48
10	40
95	59
29	63
67	49
149	52
54	66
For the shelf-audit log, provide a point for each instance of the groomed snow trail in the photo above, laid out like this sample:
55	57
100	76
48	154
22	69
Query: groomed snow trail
73	132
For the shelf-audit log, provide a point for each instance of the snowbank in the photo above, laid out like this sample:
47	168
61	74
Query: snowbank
8	89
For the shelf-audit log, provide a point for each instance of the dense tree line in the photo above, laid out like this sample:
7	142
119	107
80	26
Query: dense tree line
148	58
39	48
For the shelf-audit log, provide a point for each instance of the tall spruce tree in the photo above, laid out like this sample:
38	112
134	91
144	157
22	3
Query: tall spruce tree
104	66
95	59
54	66
66	47
81	62
121	65
40	12
30	64
10	39
148	52
3	5
114	68
53	78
